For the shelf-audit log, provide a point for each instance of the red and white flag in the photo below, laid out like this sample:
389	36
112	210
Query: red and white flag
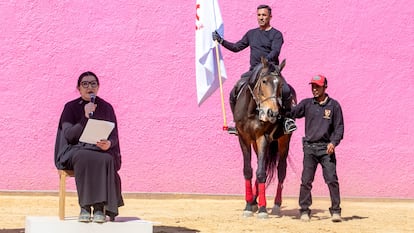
208	19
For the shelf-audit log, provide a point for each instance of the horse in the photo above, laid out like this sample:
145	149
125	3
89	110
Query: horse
258	118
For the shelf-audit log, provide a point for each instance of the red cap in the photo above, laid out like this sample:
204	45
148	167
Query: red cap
319	80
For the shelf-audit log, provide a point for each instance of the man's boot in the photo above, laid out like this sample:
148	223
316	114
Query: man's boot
289	124
233	98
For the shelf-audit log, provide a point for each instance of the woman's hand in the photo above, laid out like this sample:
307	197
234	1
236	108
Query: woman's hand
104	144
89	107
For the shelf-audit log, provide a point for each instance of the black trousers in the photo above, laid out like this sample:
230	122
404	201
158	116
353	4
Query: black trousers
314	154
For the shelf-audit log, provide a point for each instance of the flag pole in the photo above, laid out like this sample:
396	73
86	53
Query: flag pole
225	127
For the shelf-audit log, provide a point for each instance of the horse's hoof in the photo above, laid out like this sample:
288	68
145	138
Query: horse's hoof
255	208
251	207
262	213
275	210
247	213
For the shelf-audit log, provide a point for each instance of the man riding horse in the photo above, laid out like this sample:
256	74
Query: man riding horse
256	114
264	41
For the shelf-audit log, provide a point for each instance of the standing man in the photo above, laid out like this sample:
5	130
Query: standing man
264	41
324	129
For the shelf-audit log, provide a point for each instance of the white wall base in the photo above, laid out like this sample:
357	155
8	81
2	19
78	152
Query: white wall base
37	224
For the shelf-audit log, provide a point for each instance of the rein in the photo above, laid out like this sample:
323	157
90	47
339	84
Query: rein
257	85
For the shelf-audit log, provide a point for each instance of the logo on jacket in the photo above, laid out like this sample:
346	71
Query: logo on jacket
327	114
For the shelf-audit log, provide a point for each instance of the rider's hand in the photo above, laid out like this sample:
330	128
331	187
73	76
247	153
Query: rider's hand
217	37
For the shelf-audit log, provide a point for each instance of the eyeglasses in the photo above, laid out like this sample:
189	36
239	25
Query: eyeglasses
85	84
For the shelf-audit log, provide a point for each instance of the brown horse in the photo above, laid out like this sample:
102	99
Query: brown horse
258	117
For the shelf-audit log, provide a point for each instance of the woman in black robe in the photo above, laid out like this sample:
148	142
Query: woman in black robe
95	166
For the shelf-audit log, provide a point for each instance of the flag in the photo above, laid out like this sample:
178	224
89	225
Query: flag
208	19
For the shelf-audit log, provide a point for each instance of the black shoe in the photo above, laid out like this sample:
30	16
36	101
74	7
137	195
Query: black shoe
98	213
289	125
111	215
232	130
99	216
85	214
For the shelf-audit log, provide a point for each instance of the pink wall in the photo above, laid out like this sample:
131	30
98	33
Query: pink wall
143	53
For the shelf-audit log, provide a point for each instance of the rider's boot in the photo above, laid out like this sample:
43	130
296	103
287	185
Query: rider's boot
289	124
233	98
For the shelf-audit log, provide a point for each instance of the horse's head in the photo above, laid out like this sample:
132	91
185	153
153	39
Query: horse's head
268	91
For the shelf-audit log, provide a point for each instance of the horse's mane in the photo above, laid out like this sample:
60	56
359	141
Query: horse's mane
257	72
255	75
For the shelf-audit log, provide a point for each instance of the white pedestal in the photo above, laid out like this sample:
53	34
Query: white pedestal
37	224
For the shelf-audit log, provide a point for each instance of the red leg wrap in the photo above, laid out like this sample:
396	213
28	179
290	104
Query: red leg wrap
256	189
249	191
262	194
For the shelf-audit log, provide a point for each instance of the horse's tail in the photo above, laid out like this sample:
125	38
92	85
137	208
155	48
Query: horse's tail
271	161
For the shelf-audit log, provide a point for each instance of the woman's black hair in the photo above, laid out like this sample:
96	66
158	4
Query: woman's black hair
87	73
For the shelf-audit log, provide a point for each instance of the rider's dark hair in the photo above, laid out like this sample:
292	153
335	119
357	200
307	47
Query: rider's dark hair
265	7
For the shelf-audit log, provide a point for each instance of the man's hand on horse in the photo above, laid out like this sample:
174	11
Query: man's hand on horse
330	149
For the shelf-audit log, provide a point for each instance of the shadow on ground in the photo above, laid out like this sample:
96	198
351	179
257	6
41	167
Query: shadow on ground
354	217
156	229
294	214
169	229
21	230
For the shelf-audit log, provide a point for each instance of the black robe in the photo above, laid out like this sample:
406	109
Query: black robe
96	171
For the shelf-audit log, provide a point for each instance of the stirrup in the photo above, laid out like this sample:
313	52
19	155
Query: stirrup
289	125
232	130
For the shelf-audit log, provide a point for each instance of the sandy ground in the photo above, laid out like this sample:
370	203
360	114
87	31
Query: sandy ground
194	213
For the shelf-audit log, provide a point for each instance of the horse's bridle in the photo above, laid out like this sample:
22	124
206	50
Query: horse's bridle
258	84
